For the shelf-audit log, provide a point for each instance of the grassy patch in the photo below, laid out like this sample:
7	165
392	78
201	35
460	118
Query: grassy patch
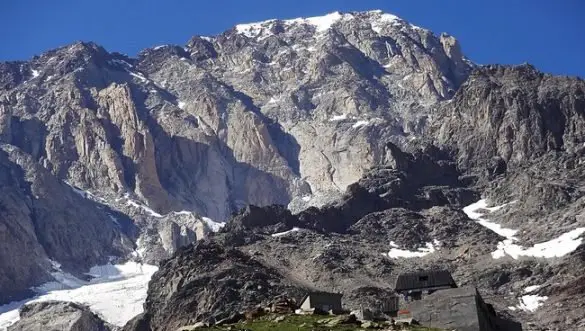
295	323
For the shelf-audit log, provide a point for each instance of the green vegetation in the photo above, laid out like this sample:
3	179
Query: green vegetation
303	323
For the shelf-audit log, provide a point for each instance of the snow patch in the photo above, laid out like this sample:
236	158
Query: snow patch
254	30
121	62
82	193
213	225
114	220
117	293
561	246
531	303
383	20
306	198
274	100
182	212
261	30
558	247
139	76
140	248
35	73
395	252
336	118
472	212
9	314
360	123
324	23
280	234
532	288
181	105
143	207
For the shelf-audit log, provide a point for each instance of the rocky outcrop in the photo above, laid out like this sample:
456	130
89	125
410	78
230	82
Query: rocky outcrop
40	222
416	181
56	315
208	283
514	114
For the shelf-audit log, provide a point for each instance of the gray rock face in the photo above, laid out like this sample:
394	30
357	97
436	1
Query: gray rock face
58	316
42	220
514	114
283	107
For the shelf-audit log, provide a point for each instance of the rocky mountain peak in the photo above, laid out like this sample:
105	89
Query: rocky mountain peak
377	20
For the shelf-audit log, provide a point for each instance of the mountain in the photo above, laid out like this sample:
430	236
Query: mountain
266	113
374	132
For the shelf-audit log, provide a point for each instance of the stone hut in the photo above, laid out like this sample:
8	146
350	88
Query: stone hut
462	309
321	301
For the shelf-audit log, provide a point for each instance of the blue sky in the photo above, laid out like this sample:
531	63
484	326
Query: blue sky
547	33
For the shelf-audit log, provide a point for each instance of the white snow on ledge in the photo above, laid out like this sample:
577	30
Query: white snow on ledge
336	118
530	303
472	212
139	76
143	207
385	19
558	247
213	225
323	23
360	123
532	288
395	252
280	234
262	29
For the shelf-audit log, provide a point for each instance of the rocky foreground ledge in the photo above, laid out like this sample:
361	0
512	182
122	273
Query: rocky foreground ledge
58	315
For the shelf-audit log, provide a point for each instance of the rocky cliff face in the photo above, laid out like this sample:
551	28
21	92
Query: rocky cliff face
514	114
43	221
284	107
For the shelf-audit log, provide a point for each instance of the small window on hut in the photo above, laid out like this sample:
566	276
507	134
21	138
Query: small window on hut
423	278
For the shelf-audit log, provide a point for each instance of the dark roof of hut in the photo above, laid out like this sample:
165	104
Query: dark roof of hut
424	279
